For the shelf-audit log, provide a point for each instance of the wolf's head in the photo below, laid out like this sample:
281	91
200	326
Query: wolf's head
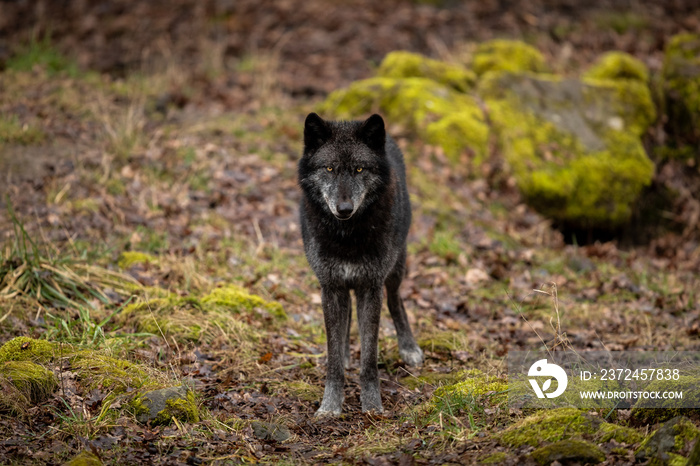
344	166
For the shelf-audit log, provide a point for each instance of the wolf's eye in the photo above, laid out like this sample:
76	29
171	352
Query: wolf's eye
359	169
330	169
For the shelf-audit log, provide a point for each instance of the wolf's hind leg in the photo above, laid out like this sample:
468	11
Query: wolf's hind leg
336	303
409	350
346	359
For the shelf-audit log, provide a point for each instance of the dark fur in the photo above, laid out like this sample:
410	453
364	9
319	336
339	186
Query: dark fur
365	251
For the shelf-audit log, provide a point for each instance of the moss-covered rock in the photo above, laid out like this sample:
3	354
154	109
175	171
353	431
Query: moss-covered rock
411	102
236	299
462	131
84	458
521	395
681	74
573	146
570	450
668	442
620	434
475	383
618	66
163	405
96	370
29	349
657	410
23	384
402	64
507	55
194	318
549	426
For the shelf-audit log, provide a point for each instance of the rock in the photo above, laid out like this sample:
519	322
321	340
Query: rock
160	406
570	450
507	55
666	443
84	458
681	75
270	431
401	64
573	145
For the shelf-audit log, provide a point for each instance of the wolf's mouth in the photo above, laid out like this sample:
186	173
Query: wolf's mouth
343	216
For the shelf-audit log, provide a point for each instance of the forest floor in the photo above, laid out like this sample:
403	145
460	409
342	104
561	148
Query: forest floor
181	141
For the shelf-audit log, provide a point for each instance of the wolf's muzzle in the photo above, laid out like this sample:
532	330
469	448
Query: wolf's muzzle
344	210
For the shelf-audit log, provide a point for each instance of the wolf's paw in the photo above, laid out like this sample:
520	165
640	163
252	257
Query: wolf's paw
371	400
324	413
412	357
332	405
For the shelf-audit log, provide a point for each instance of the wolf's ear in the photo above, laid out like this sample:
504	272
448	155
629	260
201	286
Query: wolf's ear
372	133
316	132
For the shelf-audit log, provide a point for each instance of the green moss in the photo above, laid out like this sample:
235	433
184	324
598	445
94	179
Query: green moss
651	411
236	299
467	395
411	102
96	370
182	409
507	55
620	434
129	258
616	66
498	457
85	458
549	426
464	130
574	148
28	349
193	318
569	451
170	316
476	383
681	74
401	64
23	384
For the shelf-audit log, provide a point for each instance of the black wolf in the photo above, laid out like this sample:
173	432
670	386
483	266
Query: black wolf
355	215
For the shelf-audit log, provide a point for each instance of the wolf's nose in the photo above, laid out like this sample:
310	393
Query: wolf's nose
344	209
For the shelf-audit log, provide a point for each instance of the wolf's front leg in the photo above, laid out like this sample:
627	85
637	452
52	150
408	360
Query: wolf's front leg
369	306
336	303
